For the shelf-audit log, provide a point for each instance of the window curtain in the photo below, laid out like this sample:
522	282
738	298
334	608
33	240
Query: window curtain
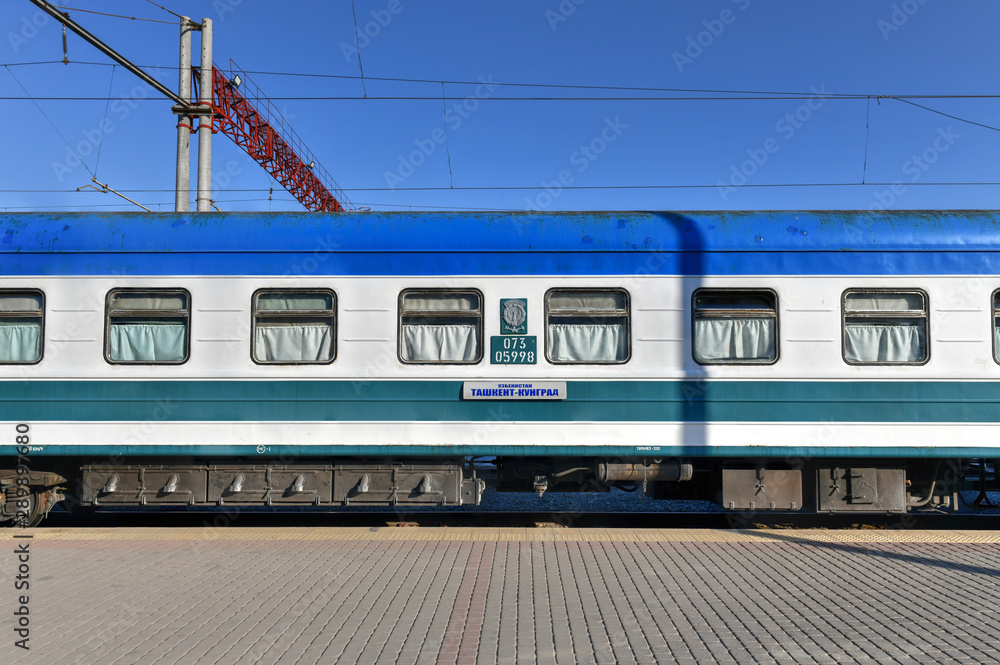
20	303
893	302
588	342
147	342
996	341
20	342
143	301
869	343
292	302
294	343
733	339
431	302
440	343
586	301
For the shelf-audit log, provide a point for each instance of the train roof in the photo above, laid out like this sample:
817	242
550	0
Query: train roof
768	242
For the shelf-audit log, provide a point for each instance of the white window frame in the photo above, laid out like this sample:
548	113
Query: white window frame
764	313
623	314
475	316
113	313
994	298
27	315
256	314
876	315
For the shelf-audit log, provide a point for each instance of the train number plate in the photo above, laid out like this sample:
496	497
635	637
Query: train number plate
508	350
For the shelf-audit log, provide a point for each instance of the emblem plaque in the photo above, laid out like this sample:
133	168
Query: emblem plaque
513	316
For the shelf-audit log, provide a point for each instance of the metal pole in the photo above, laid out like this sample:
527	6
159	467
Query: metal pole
105	49
182	197
205	128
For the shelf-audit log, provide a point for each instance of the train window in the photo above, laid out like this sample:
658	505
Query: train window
885	327
587	326
440	326
996	325
22	316
734	326
148	326
294	327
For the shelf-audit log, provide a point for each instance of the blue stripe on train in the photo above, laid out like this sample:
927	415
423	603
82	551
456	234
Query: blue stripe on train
494	263
626	243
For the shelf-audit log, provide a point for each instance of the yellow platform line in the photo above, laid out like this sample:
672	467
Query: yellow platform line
501	534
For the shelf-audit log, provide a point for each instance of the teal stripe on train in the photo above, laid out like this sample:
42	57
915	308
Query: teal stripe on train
608	401
289	453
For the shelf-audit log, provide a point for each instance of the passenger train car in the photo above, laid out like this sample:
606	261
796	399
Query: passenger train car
771	361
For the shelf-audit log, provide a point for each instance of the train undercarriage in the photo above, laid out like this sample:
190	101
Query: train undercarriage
821	486
825	486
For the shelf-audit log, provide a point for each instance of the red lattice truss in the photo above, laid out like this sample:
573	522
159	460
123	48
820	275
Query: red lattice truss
254	124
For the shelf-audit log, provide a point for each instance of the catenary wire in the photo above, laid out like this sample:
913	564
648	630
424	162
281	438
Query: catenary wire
164	9
414	98
47	118
131	18
292	201
100	144
868	111
567	187
947	115
605	187
551	85
357	46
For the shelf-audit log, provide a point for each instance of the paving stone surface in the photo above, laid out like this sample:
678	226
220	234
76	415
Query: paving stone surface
478	596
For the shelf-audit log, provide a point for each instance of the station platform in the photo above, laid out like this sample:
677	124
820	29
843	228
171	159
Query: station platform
309	595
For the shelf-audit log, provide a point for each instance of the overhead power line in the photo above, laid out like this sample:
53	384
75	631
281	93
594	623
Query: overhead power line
452	98
573	99
948	115
108	51
569	86
715	186
49	120
131	18
567	187
106	206
165	9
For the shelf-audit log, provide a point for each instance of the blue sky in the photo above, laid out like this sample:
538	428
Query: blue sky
727	148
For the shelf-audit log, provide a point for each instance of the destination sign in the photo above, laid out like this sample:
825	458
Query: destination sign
530	390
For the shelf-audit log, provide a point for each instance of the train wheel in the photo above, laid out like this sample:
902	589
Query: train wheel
35	512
